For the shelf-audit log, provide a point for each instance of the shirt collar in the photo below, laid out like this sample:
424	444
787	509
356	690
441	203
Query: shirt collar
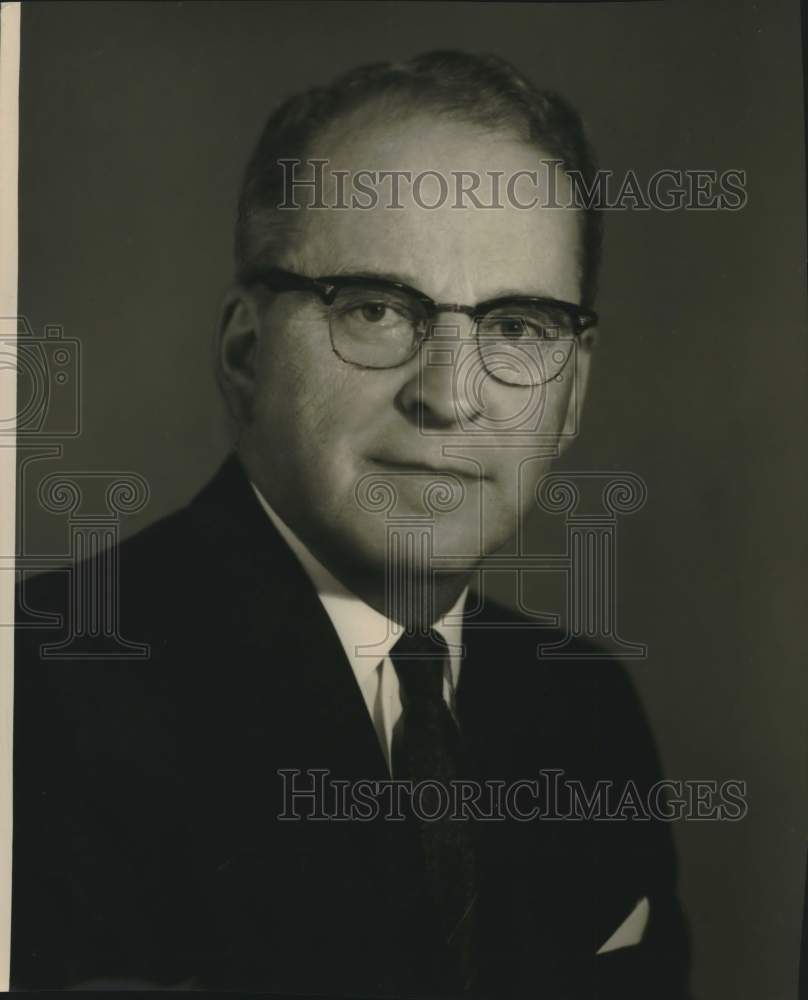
367	636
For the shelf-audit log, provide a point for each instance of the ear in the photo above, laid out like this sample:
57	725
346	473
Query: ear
580	362
237	345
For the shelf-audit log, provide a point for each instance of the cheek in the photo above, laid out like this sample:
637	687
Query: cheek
311	404
522	418
529	428
293	376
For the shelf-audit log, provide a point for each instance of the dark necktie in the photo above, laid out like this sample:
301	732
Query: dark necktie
427	747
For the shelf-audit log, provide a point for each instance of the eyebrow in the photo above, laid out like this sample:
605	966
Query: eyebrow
413	282
374	272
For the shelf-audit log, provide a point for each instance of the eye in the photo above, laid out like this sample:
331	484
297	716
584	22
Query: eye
378	311
374	312
507	327
511	329
525	325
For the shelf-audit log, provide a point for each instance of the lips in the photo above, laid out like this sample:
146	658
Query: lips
419	465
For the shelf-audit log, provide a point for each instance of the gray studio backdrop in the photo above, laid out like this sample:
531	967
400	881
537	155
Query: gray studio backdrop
136	120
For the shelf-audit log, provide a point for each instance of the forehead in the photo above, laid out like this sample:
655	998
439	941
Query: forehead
459	250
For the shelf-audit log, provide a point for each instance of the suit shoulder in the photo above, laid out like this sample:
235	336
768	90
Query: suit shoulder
165	543
527	640
584	679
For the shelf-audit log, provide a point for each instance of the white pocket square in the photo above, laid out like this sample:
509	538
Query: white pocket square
631	930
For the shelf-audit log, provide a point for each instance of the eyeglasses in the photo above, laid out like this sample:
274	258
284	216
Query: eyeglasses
376	323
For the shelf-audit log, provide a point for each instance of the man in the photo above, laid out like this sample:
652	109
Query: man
401	377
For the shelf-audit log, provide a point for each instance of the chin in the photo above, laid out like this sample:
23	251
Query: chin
370	543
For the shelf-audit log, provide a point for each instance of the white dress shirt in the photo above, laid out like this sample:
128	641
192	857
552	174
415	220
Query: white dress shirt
367	636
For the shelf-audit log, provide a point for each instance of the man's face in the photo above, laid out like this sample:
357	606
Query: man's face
323	434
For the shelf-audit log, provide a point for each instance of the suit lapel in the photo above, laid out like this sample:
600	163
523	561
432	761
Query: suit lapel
517	718
294	692
280	623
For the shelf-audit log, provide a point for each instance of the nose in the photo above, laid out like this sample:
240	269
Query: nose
440	391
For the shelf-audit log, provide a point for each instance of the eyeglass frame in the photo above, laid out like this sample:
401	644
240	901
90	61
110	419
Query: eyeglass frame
327	287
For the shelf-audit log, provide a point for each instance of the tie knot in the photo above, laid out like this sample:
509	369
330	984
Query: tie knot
420	660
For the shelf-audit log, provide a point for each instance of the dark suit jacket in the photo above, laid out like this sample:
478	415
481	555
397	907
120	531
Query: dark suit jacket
147	847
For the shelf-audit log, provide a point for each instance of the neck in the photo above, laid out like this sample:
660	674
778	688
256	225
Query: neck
410	596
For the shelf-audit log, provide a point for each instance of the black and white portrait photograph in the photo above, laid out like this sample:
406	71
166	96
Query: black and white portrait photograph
404	481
